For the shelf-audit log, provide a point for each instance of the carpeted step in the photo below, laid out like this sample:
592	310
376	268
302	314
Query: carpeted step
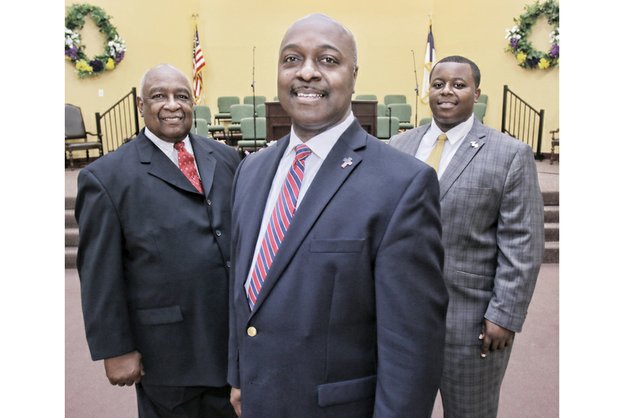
72	237
70	221
552	232
70	257
552	252
551	198
552	214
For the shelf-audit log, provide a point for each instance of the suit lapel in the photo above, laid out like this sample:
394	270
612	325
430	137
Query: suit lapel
328	180
472	144
205	162
160	165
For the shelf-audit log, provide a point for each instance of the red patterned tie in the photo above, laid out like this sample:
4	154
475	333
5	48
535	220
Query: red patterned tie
186	164
278	223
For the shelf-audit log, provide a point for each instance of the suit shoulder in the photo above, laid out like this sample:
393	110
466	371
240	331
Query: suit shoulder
393	160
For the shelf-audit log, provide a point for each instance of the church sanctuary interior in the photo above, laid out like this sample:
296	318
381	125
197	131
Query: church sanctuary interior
238	105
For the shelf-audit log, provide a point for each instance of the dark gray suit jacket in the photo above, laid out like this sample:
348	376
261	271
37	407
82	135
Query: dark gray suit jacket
153	258
351	319
493	230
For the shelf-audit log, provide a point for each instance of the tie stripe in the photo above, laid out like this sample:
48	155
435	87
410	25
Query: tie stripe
279	222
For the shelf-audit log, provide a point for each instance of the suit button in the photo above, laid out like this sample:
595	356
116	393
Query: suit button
218	233
209	202
228	264
252	332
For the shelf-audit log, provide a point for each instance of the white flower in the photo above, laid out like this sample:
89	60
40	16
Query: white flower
513	33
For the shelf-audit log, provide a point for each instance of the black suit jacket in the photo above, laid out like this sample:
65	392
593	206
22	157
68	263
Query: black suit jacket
153	260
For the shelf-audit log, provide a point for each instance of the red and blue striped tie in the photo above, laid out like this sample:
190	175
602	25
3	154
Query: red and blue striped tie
278	223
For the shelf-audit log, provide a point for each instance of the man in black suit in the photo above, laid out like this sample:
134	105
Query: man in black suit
153	257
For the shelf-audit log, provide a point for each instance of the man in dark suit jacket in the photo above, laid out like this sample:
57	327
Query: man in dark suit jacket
153	258
493	235
350	320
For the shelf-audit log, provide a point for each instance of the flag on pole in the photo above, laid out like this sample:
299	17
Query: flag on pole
429	61
198	64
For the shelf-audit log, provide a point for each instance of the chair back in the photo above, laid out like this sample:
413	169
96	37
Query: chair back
240	111
425	121
200	127
401	110
247	128
483	98
387	127
394	98
382	109
74	123
260	110
366	97
259	100
480	109
224	103
202	112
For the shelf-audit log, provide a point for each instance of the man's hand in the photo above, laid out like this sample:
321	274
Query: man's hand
124	370
235	400
494	337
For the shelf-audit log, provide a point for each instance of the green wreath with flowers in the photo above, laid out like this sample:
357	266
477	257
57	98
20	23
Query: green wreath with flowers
522	49
74	49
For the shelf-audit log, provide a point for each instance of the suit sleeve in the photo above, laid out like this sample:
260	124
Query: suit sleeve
411	303
520	241
100	267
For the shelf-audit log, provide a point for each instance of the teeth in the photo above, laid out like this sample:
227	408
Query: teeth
309	95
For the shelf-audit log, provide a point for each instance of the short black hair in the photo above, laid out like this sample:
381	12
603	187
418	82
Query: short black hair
462	60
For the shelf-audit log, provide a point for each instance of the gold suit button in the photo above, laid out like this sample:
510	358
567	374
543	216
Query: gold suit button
252	332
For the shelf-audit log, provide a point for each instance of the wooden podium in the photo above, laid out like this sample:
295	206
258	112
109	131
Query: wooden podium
279	123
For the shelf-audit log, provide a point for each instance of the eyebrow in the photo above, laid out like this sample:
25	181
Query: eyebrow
322	46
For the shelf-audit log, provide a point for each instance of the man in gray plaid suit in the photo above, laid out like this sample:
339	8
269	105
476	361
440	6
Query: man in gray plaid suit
492	217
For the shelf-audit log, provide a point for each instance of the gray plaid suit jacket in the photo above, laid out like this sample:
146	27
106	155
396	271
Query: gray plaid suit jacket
493	230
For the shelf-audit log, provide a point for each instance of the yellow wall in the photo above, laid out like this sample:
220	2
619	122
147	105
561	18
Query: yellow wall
158	31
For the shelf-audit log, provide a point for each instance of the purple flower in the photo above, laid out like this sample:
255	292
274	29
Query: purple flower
119	57
555	51
532	62
97	65
514	42
71	52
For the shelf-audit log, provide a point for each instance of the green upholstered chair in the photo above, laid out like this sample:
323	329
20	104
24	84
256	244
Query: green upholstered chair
483	99
394	98
425	121
260	110
204	112
366	97
223	106
480	109
249	141
238	112
382	109
200	127
403	112
259	100
387	127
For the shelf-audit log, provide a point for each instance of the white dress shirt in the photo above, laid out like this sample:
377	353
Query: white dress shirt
455	135
320	146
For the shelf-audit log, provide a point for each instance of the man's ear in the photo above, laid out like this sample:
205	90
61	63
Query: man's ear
476	95
140	103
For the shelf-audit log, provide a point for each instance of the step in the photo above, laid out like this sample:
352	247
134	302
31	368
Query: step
72	237
552	252
70	257
551	198
552	214
552	232
69	202
70	221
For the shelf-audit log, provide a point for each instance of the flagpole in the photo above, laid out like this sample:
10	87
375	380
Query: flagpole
254	94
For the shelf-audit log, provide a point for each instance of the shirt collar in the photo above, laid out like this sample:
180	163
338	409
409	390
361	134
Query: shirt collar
455	134
165	146
322	143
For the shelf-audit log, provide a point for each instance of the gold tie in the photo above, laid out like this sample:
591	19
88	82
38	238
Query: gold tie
435	157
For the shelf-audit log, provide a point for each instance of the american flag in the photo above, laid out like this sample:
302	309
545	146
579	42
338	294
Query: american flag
199	63
429	61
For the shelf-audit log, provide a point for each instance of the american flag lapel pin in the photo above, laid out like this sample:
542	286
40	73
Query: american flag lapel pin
474	144
346	161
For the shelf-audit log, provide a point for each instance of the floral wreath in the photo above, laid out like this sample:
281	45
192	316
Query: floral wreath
74	50
520	47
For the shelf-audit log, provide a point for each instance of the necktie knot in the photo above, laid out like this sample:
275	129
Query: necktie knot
435	157
179	146
302	152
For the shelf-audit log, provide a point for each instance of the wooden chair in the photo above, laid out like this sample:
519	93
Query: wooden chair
555	142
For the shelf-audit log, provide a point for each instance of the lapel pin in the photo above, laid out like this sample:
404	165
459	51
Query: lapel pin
346	161
474	144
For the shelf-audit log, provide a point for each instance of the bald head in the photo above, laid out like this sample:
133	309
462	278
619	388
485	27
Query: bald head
158	70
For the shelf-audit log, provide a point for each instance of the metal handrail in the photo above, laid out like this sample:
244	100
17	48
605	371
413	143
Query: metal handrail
119	124
522	121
